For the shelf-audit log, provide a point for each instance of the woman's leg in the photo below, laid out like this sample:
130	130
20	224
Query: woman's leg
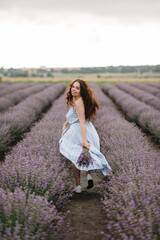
76	173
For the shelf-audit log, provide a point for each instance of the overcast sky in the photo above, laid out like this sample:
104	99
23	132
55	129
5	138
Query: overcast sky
79	33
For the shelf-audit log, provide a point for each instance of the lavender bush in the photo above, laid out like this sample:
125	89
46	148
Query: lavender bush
25	216
20	117
142	114
131	197
146	88
17	96
140	95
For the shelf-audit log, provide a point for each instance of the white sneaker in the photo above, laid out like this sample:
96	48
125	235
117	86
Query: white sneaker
78	189
89	181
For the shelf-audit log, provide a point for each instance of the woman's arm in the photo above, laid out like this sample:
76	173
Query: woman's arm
65	125
81	115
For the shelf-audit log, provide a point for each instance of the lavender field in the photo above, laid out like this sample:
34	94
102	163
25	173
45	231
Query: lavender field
35	182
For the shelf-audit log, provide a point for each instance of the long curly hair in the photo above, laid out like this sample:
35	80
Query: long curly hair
90	103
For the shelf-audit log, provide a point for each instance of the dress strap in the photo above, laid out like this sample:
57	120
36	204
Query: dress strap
78	100
75	101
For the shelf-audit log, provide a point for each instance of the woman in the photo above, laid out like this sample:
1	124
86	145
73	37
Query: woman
78	132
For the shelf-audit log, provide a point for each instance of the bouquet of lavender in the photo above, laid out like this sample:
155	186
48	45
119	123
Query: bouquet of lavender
84	158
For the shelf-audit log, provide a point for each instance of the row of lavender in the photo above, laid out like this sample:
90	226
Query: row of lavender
147	88
34	183
141	95
15	121
12	88
4	85
16	97
144	115
155	85
131	198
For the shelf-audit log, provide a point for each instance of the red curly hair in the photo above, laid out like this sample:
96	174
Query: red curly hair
90	103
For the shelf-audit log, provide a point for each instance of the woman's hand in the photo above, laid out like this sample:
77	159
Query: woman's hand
85	144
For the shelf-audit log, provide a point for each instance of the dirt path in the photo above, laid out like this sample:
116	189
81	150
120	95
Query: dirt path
86	215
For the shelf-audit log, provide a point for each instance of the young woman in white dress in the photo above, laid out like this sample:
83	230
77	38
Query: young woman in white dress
78	132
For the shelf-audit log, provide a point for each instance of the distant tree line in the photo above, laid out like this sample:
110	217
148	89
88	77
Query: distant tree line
112	69
49	72
12	72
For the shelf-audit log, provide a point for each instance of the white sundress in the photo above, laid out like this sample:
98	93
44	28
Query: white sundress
70	144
